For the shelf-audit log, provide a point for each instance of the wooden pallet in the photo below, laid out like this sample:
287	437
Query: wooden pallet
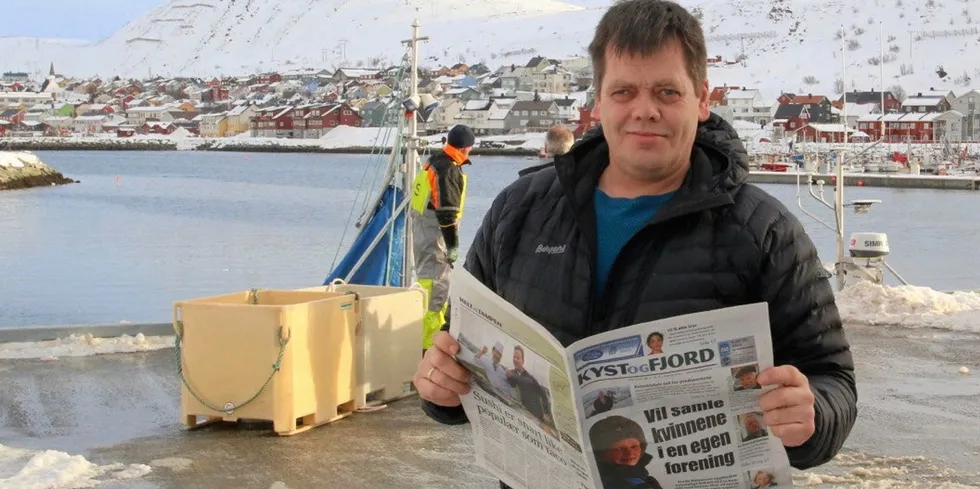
280	427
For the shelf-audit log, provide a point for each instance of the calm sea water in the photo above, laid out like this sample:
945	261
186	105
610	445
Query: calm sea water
142	230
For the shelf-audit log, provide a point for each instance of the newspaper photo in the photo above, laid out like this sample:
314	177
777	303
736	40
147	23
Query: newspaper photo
672	403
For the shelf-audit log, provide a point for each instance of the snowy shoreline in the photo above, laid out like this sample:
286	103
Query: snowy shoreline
862	304
20	170
343	139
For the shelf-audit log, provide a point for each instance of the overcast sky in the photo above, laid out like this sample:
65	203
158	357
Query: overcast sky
76	19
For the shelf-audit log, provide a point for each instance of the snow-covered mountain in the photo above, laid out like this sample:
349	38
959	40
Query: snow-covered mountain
791	45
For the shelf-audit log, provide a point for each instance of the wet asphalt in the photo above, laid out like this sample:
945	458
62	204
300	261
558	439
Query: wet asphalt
918	426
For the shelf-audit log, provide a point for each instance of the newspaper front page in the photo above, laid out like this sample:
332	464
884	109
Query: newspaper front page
667	404
675	403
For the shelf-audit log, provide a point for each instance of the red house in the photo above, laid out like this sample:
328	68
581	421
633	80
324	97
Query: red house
125	101
718	96
275	122
907	127
156	127
786	98
585	121
824	133
214	94
3	128
341	115
791	117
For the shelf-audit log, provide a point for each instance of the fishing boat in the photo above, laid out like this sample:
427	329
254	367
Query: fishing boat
381	254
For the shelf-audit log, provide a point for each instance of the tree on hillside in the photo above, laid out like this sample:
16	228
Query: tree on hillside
898	92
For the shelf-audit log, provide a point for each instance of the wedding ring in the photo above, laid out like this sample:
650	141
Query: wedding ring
429	375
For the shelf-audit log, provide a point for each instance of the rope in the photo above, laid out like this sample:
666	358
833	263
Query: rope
228	408
357	197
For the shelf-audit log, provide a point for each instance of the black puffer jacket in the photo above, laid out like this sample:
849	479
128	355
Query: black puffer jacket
718	242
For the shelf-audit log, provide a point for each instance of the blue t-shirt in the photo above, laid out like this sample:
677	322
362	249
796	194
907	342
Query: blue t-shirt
618	220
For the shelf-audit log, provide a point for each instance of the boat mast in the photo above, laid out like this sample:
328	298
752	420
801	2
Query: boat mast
411	154
839	187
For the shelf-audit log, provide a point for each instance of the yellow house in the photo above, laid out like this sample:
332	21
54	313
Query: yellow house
239	119
213	125
187	107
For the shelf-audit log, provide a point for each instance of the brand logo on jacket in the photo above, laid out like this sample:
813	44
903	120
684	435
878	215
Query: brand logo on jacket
551	250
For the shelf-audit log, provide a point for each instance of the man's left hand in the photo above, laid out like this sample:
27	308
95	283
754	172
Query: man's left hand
789	411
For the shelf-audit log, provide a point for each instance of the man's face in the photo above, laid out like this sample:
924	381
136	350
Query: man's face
518	359
752	424
497	355
747	380
649	108
762	479
625	452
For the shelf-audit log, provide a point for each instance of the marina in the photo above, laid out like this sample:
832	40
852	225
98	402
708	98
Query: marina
888	180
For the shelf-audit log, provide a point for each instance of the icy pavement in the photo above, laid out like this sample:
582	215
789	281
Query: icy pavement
78	345
918	427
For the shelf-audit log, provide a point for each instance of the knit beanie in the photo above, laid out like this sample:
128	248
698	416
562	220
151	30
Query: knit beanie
612	429
461	137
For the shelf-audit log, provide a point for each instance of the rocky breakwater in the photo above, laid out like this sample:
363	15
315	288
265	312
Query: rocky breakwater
19	170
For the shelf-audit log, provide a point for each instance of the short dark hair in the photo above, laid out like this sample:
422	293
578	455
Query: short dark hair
641	27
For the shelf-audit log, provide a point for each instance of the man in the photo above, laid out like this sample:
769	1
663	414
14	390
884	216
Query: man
747	378
529	391
753	427
496	372
438	194
655	219
603	402
557	141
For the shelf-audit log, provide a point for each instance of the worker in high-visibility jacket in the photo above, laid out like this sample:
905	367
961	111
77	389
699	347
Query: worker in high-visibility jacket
438	196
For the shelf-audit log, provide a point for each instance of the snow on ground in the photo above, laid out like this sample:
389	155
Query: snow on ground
862	303
342	137
83	345
49	469
909	306
19	159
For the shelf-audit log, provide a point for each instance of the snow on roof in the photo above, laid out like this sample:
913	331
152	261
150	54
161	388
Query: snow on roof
480	104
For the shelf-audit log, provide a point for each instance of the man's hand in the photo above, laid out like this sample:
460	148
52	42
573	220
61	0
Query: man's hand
440	379
452	254
788	408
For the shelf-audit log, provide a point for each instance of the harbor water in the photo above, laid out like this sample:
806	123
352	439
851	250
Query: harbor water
144	229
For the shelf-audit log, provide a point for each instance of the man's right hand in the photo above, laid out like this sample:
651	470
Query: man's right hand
440	379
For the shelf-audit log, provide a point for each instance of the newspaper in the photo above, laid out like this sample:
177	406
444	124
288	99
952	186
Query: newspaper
666	404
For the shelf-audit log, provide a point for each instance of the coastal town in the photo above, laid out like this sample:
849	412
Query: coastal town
510	99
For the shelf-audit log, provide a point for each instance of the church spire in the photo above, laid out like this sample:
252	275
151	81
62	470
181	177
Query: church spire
51	71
